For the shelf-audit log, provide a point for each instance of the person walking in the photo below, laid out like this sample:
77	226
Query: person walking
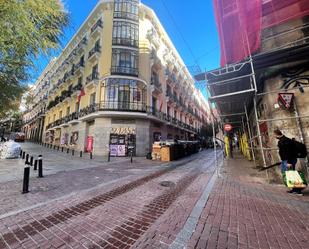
288	156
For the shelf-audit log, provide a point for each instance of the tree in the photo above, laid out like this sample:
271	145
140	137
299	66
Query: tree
27	29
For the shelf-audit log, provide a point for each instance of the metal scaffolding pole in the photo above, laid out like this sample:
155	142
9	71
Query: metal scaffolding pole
250	135
259	135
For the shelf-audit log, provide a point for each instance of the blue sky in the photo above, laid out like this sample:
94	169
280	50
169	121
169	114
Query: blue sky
194	35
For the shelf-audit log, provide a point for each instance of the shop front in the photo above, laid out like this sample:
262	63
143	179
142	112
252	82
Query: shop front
122	142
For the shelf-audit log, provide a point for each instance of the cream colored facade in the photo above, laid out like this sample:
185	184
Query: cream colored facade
119	83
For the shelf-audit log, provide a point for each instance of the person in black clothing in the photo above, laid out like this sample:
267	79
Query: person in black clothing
287	154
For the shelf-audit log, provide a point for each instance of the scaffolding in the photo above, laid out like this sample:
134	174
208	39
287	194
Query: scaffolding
236	92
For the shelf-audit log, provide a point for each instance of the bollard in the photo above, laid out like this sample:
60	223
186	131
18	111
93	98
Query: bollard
58	147
21	153
61	149
73	152
131	156
91	155
109	156
24	153
40	161
80	154
26	179
31	161
35	164
68	150
27	159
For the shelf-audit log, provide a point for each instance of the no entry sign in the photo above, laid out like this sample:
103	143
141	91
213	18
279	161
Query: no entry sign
228	127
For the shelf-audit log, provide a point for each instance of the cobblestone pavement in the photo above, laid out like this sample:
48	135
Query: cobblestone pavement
54	161
184	204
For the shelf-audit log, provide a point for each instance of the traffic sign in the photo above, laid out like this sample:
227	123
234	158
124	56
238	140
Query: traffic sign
286	99
228	127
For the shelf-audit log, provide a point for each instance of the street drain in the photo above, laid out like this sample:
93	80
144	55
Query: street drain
167	184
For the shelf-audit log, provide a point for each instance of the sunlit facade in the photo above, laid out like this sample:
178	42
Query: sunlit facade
120	82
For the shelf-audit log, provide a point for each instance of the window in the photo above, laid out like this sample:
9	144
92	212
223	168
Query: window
92	99
168	110
68	110
95	70
54	119
175	114
125	62
77	107
82	60
126	9
60	114
80	81
154	103
125	33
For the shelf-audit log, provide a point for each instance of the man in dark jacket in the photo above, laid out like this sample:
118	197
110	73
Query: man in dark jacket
287	154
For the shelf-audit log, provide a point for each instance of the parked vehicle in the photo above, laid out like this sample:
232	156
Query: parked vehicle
18	136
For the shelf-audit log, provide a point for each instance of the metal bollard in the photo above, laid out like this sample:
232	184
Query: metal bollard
21	153
27	159
35	164
109	156
131	156
61	149
73	152
68	150
40	161
31	161
26	179
80	154
58	147
91	155
24	153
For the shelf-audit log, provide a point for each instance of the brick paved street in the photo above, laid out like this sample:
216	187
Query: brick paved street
182	204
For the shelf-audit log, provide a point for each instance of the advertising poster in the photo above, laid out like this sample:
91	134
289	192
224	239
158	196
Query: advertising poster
121	150
89	146
113	150
64	139
74	138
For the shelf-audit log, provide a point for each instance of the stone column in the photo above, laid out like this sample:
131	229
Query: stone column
81	128
142	137
102	128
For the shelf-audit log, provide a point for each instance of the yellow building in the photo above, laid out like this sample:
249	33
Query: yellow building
120	82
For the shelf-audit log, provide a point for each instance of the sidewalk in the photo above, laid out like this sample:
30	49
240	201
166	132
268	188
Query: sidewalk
244	211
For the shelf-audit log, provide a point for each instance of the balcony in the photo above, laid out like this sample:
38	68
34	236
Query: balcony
92	79
167	118
125	71
156	86
125	15
81	46
125	42
94	54
96	29
79	68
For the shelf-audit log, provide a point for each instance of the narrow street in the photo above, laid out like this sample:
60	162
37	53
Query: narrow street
183	204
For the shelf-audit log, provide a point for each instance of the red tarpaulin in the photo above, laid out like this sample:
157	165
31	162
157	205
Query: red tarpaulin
240	23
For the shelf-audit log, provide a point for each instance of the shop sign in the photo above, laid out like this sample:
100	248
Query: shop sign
286	99
228	127
123	130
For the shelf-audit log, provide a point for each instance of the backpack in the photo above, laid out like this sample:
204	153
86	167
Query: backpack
300	149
